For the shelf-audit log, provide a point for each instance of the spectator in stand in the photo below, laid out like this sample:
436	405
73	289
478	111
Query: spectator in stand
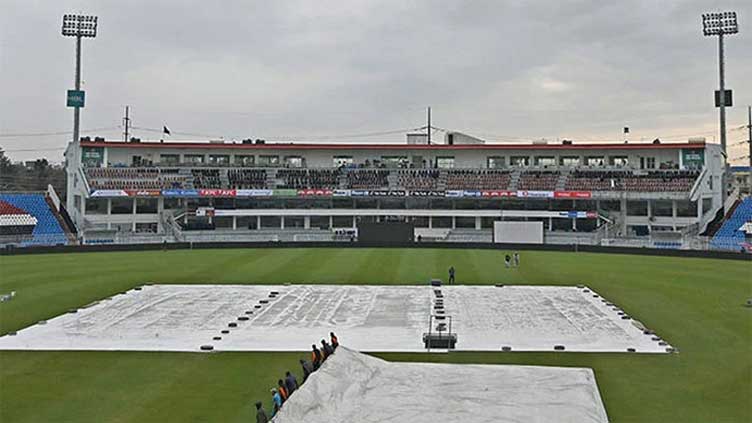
276	402
307	369
291	384
451	275
261	416
333	339
316	357
282	390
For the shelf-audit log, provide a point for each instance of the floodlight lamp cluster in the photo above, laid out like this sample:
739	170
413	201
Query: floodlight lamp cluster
719	23
79	26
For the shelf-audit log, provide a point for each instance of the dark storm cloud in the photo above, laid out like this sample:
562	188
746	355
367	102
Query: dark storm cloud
268	69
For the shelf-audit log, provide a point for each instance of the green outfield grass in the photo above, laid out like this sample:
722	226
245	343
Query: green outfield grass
696	304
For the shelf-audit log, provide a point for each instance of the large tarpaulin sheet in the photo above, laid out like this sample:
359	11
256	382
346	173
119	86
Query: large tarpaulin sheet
371	318
354	387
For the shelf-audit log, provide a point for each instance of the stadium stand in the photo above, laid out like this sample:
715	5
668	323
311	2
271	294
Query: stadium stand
539	180
308	178
247	178
625	180
207	178
730	236
367	179
478	179
134	178
419	179
46	230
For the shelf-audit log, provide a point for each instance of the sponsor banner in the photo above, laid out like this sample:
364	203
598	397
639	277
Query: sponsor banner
579	215
109	193
573	194
180	193
253	193
359	193
472	193
497	193
341	193
455	194
314	192
143	192
216	192
285	192
427	193
388	193
535	194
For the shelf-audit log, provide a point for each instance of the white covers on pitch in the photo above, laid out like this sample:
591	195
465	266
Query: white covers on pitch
354	387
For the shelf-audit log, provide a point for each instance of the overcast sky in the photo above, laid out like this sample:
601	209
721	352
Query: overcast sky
501	70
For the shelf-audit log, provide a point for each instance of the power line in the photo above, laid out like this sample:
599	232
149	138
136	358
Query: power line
52	133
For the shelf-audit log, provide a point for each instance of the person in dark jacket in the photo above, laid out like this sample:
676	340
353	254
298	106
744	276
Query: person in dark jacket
326	348
451	275
307	369
290	383
261	416
316	357
333	339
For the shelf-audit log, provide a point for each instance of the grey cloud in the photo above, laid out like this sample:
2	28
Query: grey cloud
266	69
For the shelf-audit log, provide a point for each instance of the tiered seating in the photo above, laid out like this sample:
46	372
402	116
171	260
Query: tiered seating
206	178
419	179
624	180
309	178
367	179
538	180
134	178
247	178
478	179
47	230
730	236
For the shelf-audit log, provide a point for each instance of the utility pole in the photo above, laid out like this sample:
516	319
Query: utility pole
126	123
428	127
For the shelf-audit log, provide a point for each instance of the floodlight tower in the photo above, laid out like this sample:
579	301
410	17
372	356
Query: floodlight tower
79	26
720	24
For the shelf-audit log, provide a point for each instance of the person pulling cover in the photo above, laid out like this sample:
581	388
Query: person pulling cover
334	341
261	416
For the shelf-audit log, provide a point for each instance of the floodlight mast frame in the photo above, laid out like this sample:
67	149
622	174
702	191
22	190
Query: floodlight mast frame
79	26
720	24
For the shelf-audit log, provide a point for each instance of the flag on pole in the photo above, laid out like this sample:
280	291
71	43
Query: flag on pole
166	130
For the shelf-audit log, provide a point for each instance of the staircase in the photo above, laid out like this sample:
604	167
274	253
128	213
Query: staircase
561	183
514	182
188	177
223	178
271	178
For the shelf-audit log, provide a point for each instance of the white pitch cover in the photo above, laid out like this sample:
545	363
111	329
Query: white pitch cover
369	317
354	387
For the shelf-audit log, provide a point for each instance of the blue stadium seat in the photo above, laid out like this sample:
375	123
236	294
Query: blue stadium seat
729	237
47	231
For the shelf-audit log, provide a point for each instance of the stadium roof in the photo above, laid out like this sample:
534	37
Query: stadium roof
314	146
